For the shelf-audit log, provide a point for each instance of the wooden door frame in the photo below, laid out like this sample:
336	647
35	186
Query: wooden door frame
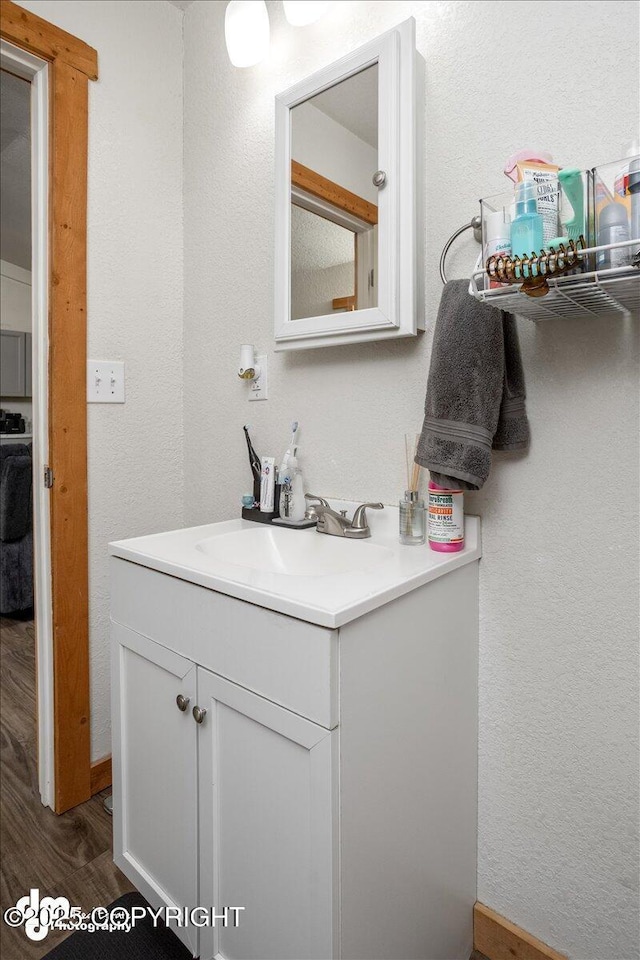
71	64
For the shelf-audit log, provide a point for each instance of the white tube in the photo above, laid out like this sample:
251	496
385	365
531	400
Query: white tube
267	484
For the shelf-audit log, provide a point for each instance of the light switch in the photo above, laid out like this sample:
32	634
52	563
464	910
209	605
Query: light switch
105	381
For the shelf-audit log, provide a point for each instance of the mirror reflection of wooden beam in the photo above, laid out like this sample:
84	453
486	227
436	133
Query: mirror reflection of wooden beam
332	193
344	303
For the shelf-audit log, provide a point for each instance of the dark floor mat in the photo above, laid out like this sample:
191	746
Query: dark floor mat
142	942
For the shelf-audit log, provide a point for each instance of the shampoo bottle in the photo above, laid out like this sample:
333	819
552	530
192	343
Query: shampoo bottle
445	523
613	227
526	227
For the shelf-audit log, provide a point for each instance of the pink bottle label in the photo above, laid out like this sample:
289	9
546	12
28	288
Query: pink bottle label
446	518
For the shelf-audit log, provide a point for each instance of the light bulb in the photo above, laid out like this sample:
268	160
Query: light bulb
300	13
246	30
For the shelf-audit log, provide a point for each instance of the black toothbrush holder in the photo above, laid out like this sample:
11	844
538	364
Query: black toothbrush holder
257	515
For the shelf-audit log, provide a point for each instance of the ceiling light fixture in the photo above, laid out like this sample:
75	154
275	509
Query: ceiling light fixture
246	30
300	13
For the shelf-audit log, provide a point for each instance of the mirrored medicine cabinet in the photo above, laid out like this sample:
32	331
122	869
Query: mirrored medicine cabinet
349	198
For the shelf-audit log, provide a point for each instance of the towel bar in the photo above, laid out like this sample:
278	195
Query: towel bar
474	224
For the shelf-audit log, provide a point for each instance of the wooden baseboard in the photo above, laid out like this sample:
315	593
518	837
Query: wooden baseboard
499	939
100	775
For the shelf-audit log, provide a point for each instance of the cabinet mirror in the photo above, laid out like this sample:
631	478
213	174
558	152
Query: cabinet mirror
348	199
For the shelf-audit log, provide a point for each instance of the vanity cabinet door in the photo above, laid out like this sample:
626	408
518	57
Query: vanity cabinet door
267	826
155	772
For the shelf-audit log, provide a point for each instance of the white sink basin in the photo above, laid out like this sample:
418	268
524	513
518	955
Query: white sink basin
312	576
293	553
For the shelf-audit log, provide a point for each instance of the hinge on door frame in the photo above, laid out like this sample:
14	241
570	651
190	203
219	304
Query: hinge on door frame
48	477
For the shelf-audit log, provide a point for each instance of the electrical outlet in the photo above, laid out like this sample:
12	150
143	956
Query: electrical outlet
259	389
105	381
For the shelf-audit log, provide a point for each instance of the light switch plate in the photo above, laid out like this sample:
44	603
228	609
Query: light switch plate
259	389
105	381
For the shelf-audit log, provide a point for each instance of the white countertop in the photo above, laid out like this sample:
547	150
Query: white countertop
331	599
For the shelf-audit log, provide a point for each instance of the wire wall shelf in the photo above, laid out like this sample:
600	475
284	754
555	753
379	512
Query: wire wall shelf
612	294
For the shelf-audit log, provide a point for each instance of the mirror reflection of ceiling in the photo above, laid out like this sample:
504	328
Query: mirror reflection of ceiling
15	170
353	103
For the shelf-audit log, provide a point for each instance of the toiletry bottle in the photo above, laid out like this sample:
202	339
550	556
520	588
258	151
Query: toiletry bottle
532	154
634	192
267	484
446	519
621	182
497	227
545	178
297	505
412	518
613	227
526	227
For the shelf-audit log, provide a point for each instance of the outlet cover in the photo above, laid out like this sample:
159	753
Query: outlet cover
105	381
259	389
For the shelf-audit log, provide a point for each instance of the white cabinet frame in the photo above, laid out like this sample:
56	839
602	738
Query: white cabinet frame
400	309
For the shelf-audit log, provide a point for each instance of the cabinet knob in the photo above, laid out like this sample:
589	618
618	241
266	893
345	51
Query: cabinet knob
183	702
199	713
379	178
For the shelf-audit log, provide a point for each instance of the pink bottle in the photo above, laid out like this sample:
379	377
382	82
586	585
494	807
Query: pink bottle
445	519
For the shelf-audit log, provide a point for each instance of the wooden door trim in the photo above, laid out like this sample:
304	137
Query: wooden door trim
498	939
100	774
71	63
32	33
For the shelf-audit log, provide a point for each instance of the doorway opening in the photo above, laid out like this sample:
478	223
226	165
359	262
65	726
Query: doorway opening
57	68
25	564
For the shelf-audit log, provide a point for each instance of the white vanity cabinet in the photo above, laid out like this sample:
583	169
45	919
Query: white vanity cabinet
330	787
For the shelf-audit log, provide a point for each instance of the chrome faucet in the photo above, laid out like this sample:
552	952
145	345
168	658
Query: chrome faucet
336	524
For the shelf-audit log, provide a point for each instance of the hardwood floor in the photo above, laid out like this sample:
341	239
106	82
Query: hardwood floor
67	856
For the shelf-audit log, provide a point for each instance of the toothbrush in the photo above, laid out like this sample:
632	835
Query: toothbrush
284	467
254	459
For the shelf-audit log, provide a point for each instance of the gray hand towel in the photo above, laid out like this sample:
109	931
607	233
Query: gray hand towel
475	393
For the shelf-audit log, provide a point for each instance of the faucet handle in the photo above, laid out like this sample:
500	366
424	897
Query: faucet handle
359	521
311	513
313	496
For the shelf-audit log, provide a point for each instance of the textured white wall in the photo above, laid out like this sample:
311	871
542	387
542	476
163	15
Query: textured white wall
559	670
134	287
